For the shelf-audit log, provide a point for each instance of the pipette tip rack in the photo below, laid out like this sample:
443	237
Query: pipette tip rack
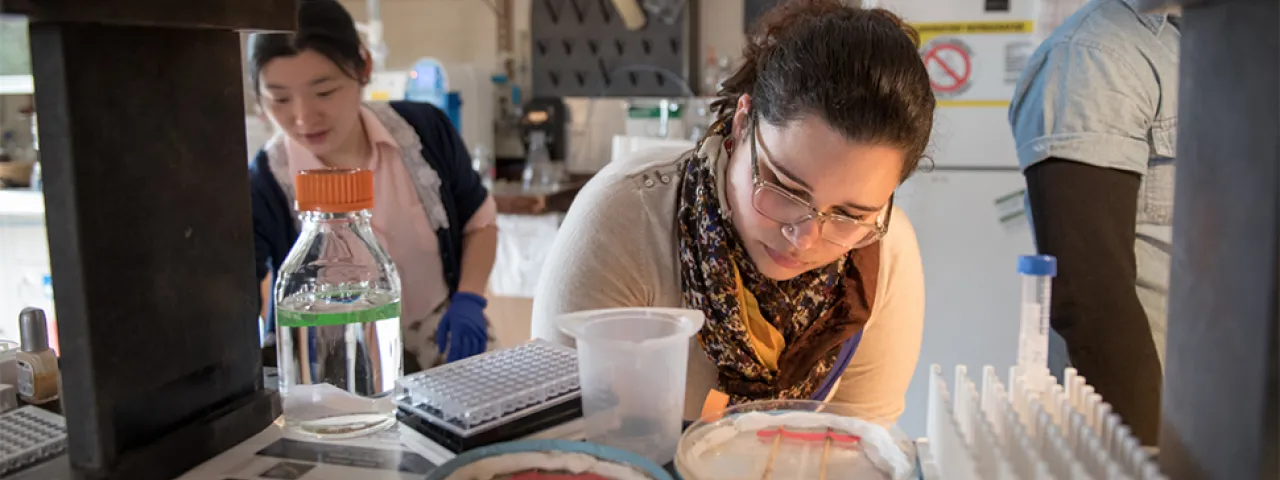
1035	429
29	436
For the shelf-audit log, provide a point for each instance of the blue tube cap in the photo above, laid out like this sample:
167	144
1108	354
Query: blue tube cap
1039	265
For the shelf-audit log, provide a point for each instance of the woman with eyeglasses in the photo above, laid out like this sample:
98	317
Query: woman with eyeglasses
779	226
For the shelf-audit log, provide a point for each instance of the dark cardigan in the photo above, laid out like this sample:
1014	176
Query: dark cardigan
461	191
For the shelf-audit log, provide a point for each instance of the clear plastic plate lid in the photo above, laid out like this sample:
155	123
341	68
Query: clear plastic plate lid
793	439
487	390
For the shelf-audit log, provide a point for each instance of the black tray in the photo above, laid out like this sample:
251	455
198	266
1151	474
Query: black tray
516	429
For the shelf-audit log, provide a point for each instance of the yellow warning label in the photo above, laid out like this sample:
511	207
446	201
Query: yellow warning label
975	64
930	30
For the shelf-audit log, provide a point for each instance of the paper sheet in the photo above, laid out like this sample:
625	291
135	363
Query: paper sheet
395	454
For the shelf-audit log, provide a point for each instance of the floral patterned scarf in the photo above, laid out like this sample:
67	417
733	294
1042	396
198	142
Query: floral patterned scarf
815	313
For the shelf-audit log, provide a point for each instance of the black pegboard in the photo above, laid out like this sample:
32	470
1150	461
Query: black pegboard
582	49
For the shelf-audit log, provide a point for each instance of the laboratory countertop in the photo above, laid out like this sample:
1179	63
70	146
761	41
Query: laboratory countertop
21	203
513	200
399	453
396	454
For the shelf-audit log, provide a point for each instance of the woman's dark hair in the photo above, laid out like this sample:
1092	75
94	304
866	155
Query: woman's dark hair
323	26
858	69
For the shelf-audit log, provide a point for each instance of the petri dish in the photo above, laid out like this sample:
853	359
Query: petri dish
794	439
548	460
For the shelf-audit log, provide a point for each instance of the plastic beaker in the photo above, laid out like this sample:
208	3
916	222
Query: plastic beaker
632	364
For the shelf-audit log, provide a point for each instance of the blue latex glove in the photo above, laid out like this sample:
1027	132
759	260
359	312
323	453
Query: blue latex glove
463	328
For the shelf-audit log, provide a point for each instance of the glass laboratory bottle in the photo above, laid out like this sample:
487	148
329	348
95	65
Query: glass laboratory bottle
338	312
37	363
483	163
539	173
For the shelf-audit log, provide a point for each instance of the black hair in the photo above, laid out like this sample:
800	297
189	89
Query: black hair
325	27
858	69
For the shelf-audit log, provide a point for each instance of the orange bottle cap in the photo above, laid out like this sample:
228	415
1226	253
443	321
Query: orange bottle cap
334	190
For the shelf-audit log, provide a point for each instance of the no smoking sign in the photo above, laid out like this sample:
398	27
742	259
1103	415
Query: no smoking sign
950	65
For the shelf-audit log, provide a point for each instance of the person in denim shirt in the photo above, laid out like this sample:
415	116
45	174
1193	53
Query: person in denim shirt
1095	121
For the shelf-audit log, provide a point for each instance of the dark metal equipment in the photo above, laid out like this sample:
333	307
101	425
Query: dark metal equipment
551	116
150	236
1222	380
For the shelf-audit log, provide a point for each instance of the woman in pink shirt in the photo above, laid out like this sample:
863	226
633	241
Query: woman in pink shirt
431	212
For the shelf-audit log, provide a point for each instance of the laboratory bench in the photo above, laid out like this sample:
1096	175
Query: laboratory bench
397	453
273	449
24	256
512	199
21	203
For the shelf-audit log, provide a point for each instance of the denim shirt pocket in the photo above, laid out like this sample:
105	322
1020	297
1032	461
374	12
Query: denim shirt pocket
1155	200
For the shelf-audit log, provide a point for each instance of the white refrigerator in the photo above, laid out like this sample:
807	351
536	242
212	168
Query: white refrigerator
968	209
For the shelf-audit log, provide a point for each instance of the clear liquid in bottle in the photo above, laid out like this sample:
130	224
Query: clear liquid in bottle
338	313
